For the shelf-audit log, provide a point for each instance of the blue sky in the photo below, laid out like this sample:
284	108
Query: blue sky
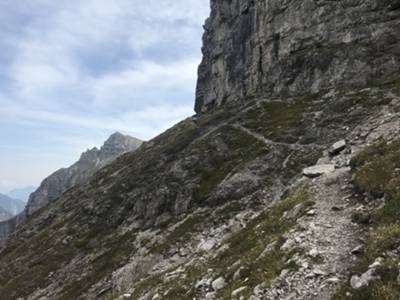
74	71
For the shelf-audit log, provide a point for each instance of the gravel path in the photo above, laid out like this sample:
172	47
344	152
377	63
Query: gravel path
327	236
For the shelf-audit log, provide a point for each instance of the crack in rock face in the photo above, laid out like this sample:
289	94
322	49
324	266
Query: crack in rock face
282	48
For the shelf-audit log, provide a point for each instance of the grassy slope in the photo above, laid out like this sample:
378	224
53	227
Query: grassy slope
377	173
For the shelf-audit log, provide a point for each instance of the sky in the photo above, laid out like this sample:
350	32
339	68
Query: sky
72	72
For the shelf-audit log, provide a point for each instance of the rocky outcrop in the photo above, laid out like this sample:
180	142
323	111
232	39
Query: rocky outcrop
285	48
89	162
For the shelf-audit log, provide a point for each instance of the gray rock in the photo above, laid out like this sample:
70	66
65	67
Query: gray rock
358	250
210	295
155	297
357	282
323	161
206	245
319	272
218	284
377	263
237	274
337	147
313	252
333	280
236	292
338	207
288	244
204	283
319	170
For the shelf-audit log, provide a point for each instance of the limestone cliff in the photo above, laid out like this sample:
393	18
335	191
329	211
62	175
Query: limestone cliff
291	47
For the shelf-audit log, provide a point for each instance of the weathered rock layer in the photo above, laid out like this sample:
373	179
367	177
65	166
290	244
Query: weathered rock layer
291	47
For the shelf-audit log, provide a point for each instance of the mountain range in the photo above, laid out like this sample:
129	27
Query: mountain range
10	207
22	193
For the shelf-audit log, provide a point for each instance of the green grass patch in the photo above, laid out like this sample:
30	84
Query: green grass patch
226	150
180	233
248	245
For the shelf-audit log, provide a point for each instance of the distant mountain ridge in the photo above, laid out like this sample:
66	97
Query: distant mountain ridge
4	215
54	185
89	162
22	193
10	207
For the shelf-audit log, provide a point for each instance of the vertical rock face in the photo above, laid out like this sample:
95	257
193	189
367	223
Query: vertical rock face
89	162
290	47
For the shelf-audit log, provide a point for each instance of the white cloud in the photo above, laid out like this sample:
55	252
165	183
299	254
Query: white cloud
143	82
143	123
72	70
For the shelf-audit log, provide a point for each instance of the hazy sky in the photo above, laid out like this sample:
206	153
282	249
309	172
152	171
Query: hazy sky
74	71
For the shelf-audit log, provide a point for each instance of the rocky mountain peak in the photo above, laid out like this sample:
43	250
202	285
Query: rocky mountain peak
118	143
117	138
90	162
54	185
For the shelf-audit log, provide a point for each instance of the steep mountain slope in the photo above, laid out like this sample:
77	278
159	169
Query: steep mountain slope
64	179
12	206
218	206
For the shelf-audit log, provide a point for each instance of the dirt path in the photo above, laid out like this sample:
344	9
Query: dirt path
268	142
328	237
